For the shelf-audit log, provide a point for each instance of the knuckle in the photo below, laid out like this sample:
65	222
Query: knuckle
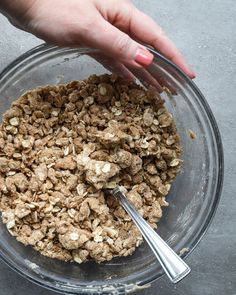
80	28
87	23
122	43
126	7
125	2
159	37
161	32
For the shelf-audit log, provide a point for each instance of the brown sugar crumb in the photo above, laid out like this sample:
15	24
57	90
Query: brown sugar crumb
61	146
192	134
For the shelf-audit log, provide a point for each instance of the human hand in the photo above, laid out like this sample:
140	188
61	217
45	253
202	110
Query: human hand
116	27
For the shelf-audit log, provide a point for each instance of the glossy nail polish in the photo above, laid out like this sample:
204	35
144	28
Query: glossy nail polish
143	57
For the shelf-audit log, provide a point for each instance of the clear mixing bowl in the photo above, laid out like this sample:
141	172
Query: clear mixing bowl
193	198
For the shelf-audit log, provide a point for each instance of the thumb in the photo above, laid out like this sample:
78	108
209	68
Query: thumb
115	43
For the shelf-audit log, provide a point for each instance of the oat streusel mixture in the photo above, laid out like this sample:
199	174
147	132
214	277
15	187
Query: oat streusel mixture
61	146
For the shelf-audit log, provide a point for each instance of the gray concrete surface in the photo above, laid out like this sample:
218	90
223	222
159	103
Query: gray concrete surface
205	32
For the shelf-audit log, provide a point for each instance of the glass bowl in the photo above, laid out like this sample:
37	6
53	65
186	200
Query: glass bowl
193	198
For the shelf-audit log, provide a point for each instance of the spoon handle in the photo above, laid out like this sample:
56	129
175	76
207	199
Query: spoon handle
175	268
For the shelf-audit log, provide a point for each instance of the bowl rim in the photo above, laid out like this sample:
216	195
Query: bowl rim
219	148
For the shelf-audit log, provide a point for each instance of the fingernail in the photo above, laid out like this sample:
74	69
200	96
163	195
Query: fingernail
143	57
192	75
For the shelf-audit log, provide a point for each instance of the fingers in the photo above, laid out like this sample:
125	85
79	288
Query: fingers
147	31
113	42
146	79
113	66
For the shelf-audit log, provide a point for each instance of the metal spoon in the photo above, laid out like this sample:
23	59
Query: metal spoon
175	268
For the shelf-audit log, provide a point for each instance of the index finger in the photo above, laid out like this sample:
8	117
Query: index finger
147	31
